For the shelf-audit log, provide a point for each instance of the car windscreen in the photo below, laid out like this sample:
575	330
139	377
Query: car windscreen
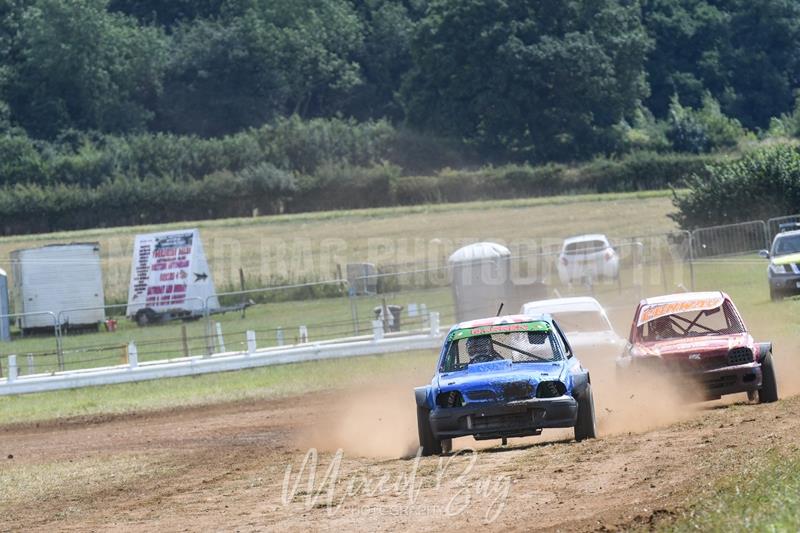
719	321
786	245
581	321
518	347
584	247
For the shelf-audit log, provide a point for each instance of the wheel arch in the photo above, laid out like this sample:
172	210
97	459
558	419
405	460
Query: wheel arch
421	395
763	349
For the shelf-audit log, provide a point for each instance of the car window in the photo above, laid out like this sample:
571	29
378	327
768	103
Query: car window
518	347
719	321
583	247
577	321
562	341
786	245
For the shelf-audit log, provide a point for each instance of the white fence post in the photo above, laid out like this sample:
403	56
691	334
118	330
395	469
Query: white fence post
220	338
251	342
434	323
31	366
133	355
303	334
279	336
12	368
377	329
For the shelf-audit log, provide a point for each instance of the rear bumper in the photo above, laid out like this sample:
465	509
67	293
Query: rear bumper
497	420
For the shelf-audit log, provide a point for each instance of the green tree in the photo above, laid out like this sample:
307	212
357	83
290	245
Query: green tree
544	80
315	44
385	58
223	76
746	53
167	13
83	67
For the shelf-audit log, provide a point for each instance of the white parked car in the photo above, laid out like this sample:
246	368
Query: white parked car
586	325
587	257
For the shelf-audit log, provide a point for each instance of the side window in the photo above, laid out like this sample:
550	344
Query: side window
562	342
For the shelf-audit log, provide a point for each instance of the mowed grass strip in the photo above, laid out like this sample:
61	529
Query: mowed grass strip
259	383
763	496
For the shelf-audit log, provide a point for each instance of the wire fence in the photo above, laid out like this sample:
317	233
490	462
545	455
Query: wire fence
400	298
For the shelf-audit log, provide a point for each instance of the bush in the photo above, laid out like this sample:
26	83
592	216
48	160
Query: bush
762	184
702	130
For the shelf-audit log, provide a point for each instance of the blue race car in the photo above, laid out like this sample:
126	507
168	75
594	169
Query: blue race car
502	377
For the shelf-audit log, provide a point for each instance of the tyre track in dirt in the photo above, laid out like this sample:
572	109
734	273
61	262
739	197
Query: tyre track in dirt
223	467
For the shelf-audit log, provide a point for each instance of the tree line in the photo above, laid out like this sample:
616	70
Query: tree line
95	92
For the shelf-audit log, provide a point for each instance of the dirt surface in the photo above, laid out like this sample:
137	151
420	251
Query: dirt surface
224	467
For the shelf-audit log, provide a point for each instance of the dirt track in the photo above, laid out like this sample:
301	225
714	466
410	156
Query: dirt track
223	467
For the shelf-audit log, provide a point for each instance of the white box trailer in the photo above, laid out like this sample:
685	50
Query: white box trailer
170	278
63	279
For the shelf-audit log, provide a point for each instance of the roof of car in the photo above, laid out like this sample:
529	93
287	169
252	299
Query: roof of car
578	303
792	233
588	237
683	297
498	320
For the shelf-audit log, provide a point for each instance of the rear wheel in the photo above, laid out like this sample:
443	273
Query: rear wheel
769	386
145	317
585	424
427	440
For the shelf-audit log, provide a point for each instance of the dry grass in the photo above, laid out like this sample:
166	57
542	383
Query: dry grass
311	245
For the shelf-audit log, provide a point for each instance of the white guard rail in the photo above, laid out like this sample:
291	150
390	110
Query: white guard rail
135	370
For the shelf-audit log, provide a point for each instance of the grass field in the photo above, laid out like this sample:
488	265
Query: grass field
743	278
311	245
764	496
259	383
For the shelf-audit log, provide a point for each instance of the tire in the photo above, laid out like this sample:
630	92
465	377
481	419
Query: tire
145	317
447	446
768	392
585	424
427	440
775	296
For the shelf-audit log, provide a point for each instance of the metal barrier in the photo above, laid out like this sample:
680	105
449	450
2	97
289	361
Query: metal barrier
729	239
774	226
211	333
81	349
58	353
322	311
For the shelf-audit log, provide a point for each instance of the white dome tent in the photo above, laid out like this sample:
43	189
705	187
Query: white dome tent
481	279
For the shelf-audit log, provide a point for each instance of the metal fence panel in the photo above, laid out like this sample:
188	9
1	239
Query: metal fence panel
774	225
729	239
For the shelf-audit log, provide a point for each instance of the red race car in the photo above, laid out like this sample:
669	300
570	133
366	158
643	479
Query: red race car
699	336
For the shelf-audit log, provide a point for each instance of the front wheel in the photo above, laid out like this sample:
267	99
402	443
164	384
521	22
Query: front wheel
775	296
769	386
585	424
427	440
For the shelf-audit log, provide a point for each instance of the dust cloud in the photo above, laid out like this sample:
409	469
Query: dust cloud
379	422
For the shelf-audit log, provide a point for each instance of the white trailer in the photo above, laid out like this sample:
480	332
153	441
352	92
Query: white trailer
63	279
170	278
